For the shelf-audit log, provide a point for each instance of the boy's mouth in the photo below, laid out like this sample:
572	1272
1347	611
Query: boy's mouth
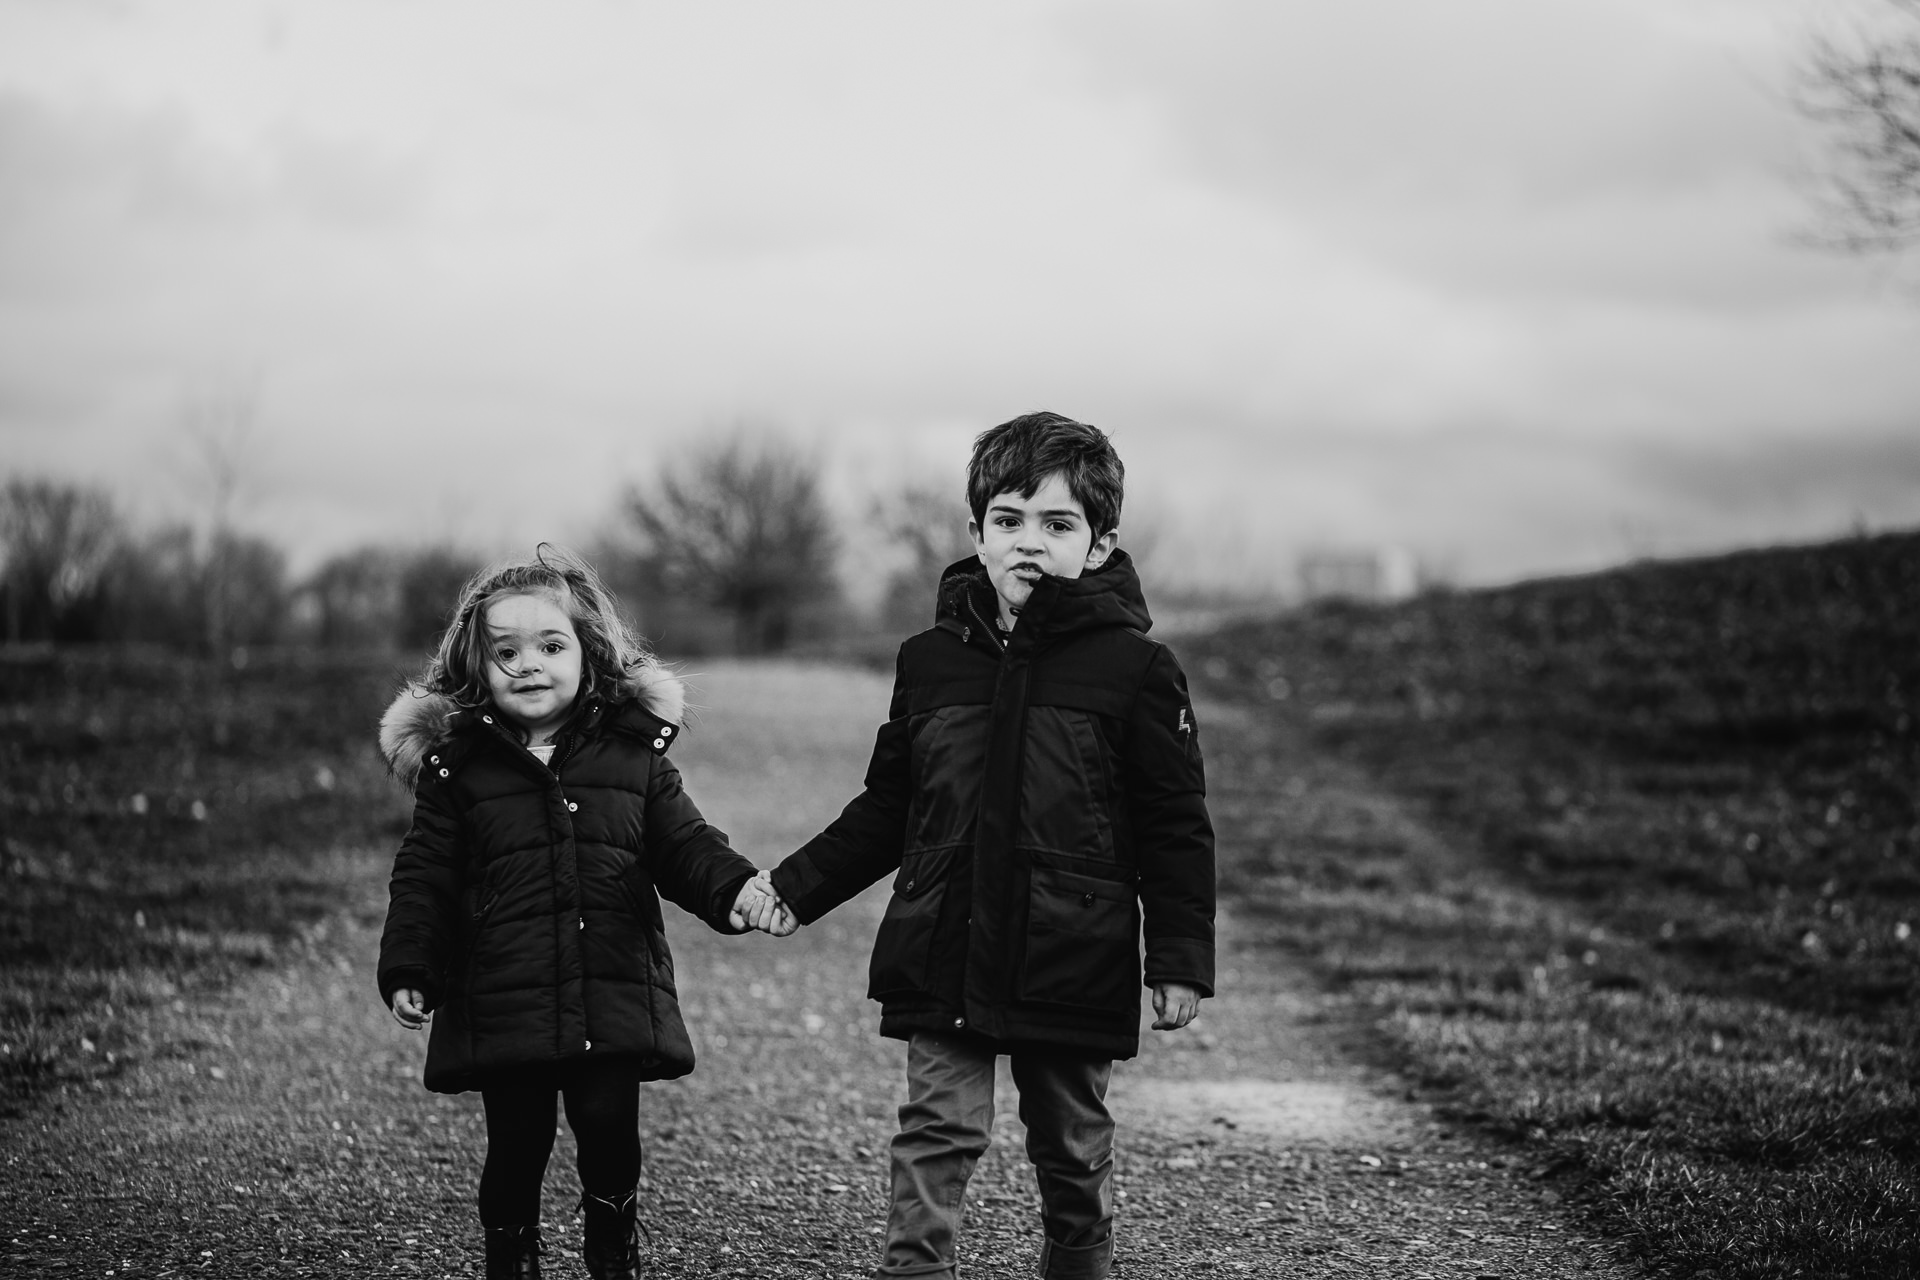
1027	571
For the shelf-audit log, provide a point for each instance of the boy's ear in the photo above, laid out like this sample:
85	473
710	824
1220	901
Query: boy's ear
973	532
1102	548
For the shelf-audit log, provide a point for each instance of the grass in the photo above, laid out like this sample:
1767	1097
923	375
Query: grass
170	822
1617	866
1625	866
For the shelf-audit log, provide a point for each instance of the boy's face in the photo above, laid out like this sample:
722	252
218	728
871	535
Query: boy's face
1044	533
536	668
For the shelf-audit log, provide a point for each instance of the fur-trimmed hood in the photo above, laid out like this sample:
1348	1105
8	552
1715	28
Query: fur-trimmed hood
418	718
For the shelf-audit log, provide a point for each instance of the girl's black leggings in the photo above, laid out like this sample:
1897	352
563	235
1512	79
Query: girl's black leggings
603	1109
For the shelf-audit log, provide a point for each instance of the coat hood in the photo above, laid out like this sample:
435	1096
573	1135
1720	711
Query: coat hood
418	718
1109	596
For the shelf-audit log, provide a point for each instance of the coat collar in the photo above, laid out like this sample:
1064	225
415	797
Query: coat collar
1109	596
417	720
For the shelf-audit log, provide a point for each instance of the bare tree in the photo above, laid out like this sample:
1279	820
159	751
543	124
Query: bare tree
1866	91
926	523
219	426
56	542
739	525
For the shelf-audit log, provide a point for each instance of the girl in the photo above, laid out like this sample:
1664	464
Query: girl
525	909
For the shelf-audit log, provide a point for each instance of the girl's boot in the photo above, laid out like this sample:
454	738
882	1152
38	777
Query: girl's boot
513	1253
610	1250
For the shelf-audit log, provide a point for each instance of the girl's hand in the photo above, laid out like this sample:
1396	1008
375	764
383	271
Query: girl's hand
1174	1005
410	1008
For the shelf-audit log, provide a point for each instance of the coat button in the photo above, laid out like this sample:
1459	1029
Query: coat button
583	922
658	743
433	759
959	1024
1086	899
589	1044
443	773
909	888
488	719
666	731
575	808
966	634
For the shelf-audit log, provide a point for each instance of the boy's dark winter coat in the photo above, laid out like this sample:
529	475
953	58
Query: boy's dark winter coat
525	900
1037	802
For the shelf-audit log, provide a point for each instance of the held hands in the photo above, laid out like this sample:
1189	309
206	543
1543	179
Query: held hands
410	1008
759	907
1174	1005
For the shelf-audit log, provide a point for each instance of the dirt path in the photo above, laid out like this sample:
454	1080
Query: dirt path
283	1131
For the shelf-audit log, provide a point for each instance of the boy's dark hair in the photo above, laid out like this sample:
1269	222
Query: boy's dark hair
1018	456
609	647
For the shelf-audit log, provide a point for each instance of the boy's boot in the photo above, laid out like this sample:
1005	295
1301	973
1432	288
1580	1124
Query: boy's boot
513	1253
1087	1262
610	1249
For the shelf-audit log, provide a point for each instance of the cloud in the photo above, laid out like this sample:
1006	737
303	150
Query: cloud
1433	274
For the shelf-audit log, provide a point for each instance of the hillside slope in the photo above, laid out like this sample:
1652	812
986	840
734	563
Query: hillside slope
1664	935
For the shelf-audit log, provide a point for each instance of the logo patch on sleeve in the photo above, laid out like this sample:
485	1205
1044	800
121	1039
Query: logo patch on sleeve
1186	720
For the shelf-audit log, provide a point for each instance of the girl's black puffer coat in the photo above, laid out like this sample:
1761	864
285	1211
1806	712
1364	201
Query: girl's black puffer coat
525	900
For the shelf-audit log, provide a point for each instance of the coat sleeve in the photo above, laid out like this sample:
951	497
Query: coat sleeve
866	841
689	858
1172	834
423	898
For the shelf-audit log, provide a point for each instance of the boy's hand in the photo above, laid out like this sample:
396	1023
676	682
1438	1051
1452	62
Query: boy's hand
410	1008
1174	1005
759	907
782	922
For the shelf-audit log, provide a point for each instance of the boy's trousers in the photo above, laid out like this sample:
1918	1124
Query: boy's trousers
944	1129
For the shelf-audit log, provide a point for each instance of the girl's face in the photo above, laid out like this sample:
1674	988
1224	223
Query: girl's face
535	672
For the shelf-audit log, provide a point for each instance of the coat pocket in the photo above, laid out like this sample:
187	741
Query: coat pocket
903	947
1082	941
643	901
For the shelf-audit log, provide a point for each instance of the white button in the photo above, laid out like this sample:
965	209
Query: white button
583	922
666	731
443	773
488	719
659	743
572	807
589	1044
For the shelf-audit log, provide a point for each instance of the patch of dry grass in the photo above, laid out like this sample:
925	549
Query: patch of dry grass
1625	867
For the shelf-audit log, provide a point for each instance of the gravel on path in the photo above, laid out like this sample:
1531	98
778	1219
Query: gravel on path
283	1130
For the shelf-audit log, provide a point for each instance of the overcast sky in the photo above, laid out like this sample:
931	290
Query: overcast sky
1512	283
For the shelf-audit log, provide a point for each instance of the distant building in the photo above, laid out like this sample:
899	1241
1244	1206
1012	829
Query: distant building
1380	573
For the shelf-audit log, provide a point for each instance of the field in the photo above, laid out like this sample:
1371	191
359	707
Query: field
168	825
1619	871
1652	909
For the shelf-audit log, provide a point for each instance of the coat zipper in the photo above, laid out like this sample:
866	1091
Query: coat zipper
987	630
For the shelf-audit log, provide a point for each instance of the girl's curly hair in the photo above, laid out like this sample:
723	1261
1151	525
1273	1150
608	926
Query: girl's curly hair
610	648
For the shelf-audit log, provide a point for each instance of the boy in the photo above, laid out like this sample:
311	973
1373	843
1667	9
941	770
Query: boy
1038	788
